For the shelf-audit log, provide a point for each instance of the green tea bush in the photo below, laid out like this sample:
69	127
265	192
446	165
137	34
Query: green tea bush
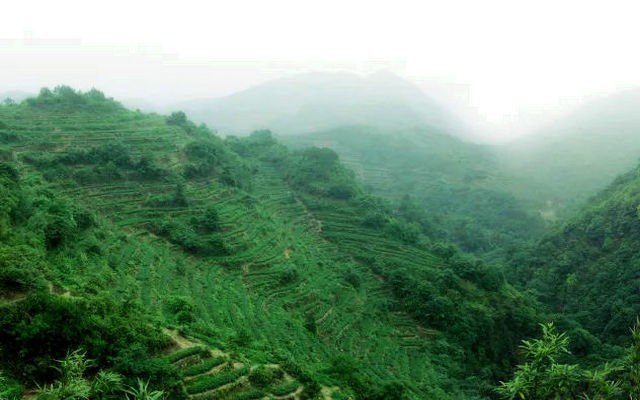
210	382
204	366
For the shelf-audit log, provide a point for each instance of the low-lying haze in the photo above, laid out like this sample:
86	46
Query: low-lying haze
508	66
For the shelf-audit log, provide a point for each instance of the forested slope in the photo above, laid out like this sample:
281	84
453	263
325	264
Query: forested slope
586	272
589	269
456	191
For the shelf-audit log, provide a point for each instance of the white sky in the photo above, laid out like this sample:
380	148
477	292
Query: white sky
520	58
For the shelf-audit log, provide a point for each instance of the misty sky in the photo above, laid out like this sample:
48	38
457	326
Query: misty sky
519	61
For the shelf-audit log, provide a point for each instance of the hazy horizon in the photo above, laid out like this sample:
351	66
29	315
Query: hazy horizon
508	67
365	200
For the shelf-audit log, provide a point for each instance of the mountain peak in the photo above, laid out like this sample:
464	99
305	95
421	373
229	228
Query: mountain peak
315	101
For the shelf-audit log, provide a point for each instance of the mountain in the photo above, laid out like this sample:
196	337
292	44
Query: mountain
318	101
456	190
588	270
580	154
225	268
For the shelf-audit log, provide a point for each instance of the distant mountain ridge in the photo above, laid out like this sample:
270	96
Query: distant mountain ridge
318	101
581	153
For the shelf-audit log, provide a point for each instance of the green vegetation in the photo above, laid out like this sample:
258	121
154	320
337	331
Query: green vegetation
413	271
262	376
210	382
452	191
204	366
248	395
544	376
10	389
74	385
142	392
145	244
189	266
64	98
103	164
184	353
585	272
285	388
587	269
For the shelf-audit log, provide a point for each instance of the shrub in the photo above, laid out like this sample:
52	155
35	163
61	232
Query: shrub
177	199
353	278
209	382
341	191
284	388
65	98
134	362
15	279
251	394
375	220
205	366
10	389
43	327
408	233
208	222
262	376
178	118
184	353
181	308
289	276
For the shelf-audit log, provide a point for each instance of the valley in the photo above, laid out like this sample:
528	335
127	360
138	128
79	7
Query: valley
356	262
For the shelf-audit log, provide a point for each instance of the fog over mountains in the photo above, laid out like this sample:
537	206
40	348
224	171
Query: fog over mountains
327	200
356	258
318	101
580	153
570	156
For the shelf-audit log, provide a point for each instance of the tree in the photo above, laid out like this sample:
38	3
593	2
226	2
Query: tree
179	198
542	376
61	224
631	366
177	118
73	385
210	220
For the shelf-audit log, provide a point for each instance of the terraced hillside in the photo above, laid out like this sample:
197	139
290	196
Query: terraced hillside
209	373
457	191
229	242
